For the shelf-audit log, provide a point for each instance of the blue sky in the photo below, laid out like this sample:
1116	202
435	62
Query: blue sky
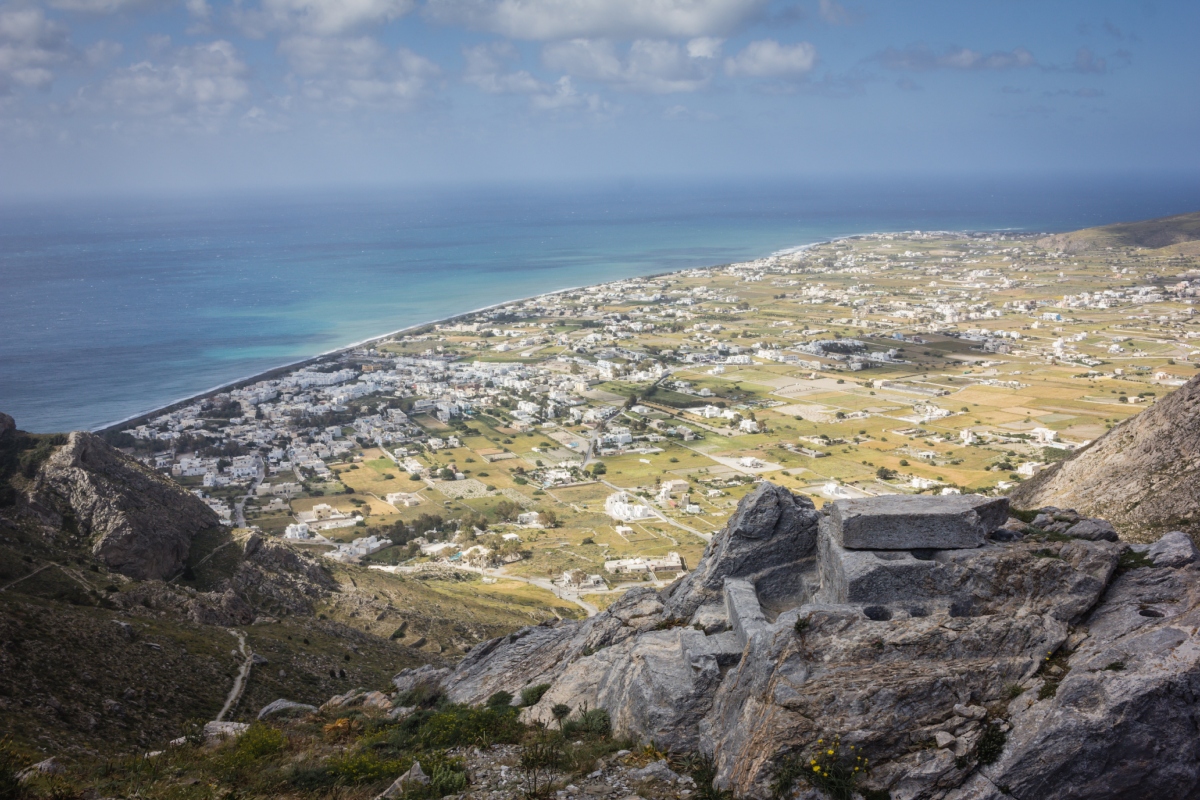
182	95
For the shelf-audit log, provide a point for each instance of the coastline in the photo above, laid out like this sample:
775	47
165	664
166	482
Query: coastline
292	365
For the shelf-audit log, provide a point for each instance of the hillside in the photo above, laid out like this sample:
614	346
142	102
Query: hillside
100	654
1151	233
1141	475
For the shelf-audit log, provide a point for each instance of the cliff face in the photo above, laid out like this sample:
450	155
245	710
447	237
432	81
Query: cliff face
1140	476
137	522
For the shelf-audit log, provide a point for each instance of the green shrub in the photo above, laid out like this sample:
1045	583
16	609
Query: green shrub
500	698
10	787
530	695
589	722
834	770
703	770
990	745
365	766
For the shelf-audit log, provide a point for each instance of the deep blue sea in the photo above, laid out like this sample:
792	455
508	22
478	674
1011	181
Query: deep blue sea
112	307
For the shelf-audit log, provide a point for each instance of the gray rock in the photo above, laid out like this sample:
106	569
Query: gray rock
216	732
1006	534
7	425
49	766
771	531
1110	733
426	674
899	649
907	522
657	771
285	708
138	522
127	630
1093	530
745	612
877	577
1174	549
655	686
415	776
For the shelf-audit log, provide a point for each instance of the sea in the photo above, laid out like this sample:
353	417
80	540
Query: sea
114	306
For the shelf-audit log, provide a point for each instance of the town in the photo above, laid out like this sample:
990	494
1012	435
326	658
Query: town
591	440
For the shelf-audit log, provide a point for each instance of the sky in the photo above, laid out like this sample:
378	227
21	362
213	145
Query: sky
104	96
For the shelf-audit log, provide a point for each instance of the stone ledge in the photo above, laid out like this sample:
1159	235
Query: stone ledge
908	522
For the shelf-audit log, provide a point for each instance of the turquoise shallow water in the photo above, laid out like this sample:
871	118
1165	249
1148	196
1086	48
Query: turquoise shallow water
114	307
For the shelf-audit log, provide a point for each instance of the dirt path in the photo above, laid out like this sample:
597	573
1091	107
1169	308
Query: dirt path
239	683
6	586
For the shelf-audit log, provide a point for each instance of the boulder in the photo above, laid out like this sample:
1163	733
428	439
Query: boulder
771	531
1175	549
49	766
415	776
907	522
285	708
655	686
1093	530
655	771
216	732
7	425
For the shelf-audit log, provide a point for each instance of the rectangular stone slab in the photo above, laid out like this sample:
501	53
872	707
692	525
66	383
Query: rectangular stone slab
912	522
879	577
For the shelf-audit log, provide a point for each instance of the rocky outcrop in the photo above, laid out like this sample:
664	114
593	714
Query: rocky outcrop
1029	666
136	521
771	532
1140	476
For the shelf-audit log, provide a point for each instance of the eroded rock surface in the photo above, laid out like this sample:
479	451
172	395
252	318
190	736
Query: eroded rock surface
137	522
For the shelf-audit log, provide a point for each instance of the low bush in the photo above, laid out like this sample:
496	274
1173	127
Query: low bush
530	695
589	722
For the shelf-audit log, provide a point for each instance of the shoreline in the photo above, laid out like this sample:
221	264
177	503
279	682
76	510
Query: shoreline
292	365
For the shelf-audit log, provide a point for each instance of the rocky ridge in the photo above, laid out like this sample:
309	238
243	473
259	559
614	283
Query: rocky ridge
136	521
1029	666
1140	476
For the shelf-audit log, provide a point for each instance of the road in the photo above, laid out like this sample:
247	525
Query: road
239	507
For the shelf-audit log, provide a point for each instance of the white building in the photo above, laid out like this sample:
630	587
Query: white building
671	562
297	531
624	507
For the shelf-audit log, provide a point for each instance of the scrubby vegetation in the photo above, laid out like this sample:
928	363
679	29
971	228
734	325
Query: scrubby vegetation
344	753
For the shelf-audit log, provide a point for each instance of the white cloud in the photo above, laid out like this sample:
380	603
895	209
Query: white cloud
651	65
30	46
191	84
704	47
100	6
768	58
835	13
563	19
319	17
354	72
919	58
485	68
103	52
